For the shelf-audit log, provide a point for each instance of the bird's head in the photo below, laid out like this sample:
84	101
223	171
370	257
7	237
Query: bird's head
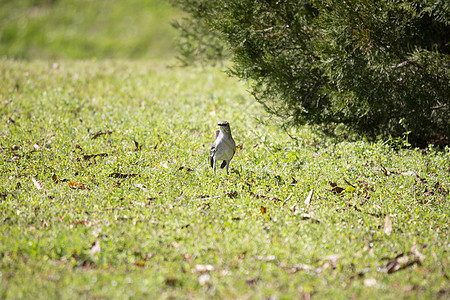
224	126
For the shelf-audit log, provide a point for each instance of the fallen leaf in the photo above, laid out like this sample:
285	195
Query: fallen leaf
369	282
204	279
36	147
122	176
335	188
187	258
187	169
36	184
89	156
308	199
308	217
172	281
398	263
263	210
252	281
296	267
84	222
100	133
175	245
417	254
333	258
95	248
266	258
286	200
232	194
348	183
203	268
140	263
137	146
78	147
77	185
387	225
55	178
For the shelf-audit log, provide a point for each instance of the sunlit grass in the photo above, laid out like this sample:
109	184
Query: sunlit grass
150	220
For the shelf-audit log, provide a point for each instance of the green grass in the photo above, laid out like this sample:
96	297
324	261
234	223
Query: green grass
175	230
61	29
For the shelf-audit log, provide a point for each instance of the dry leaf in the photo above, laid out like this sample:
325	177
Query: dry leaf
100	133
36	147
55	178
335	188
232	194
95	248
187	169
308	217
137	146
387	225
296	267
203	268
263	210
77	185
204	279
122	176
333	258
417	254
36	184
370	282
89	156
84	222
140	263
172	281
187	258
308	199
400	262
266	258
252	281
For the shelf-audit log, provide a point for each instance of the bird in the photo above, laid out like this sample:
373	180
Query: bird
223	148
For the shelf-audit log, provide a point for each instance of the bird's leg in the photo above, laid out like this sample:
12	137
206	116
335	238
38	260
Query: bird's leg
228	163
214	165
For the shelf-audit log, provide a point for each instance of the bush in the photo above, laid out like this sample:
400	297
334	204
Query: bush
380	68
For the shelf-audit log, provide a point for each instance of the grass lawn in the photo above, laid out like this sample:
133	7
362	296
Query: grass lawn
105	192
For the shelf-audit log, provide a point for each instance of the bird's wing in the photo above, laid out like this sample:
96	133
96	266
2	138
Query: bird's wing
217	133
224	163
211	154
234	147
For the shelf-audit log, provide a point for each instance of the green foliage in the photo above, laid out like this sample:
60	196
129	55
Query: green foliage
167	228
85	29
377	67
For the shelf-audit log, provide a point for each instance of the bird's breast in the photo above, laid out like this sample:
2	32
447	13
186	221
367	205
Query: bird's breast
224	149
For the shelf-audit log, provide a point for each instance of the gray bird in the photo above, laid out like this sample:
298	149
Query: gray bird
223	147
